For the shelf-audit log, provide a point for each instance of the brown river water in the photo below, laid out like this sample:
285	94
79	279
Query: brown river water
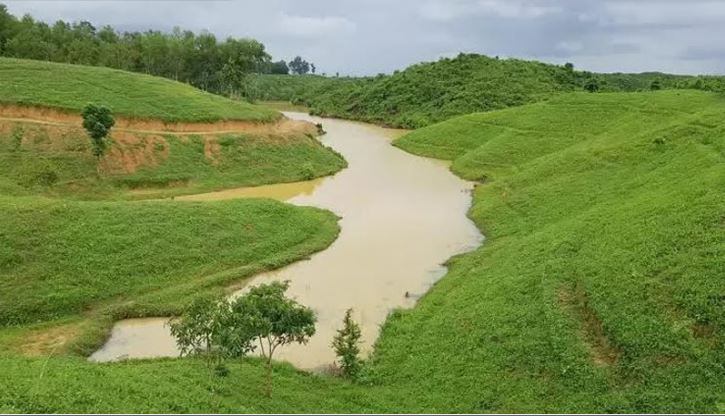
402	217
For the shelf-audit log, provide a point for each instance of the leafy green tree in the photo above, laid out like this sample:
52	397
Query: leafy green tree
232	77
347	346
265	316
200	330
279	68
97	120
656	85
7	27
299	66
199	60
592	85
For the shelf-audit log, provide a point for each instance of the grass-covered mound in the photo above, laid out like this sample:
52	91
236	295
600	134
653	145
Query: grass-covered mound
60	258
58	161
600	285
430	92
71	87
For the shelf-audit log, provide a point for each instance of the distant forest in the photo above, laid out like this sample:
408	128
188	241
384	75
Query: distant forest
199	59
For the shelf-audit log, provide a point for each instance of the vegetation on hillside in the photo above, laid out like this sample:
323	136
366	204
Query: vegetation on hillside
426	93
600	284
599	288
198	59
72	87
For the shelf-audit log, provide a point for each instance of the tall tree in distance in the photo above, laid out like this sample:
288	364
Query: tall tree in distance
197	59
299	66
279	68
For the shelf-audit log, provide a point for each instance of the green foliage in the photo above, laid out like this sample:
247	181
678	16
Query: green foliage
97	120
71	87
300	67
656	85
592	85
279	68
347	346
198	330
265	315
427	93
198	59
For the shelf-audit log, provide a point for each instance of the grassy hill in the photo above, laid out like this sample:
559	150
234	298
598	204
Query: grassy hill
72	266
430	92
53	157
600	285
599	288
71	87
62	259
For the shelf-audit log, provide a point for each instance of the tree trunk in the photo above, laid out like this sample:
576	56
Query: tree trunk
269	377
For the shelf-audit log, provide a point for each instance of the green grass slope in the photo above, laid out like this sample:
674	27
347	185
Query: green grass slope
60	258
36	160
600	287
71	87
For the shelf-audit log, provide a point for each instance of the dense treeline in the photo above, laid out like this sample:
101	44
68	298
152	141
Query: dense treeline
426	93
201	59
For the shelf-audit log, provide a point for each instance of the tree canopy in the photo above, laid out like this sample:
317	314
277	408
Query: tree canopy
199	59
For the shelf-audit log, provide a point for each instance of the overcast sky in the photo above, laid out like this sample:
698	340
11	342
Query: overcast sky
371	36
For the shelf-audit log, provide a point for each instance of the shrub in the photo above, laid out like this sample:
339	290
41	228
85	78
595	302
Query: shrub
97	120
347	346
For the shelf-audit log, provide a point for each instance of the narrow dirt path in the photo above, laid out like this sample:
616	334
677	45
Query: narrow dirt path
55	118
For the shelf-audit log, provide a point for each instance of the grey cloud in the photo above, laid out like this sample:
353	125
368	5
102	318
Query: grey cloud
367	37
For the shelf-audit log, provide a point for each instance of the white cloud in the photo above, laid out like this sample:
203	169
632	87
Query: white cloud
315	26
691	12
570	46
514	9
441	10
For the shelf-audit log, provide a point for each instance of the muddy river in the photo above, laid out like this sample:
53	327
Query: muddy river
402	217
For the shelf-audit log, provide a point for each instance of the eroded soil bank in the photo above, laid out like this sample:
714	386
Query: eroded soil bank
403	216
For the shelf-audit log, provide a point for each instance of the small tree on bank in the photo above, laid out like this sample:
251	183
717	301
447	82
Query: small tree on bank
262	317
266	317
347	346
200	330
97	120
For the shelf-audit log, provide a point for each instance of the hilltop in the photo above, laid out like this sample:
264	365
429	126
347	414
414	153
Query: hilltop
430	92
70	87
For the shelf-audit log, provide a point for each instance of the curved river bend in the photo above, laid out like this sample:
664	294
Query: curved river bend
402	217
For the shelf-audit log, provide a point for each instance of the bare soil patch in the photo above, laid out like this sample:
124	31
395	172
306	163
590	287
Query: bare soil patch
603	352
